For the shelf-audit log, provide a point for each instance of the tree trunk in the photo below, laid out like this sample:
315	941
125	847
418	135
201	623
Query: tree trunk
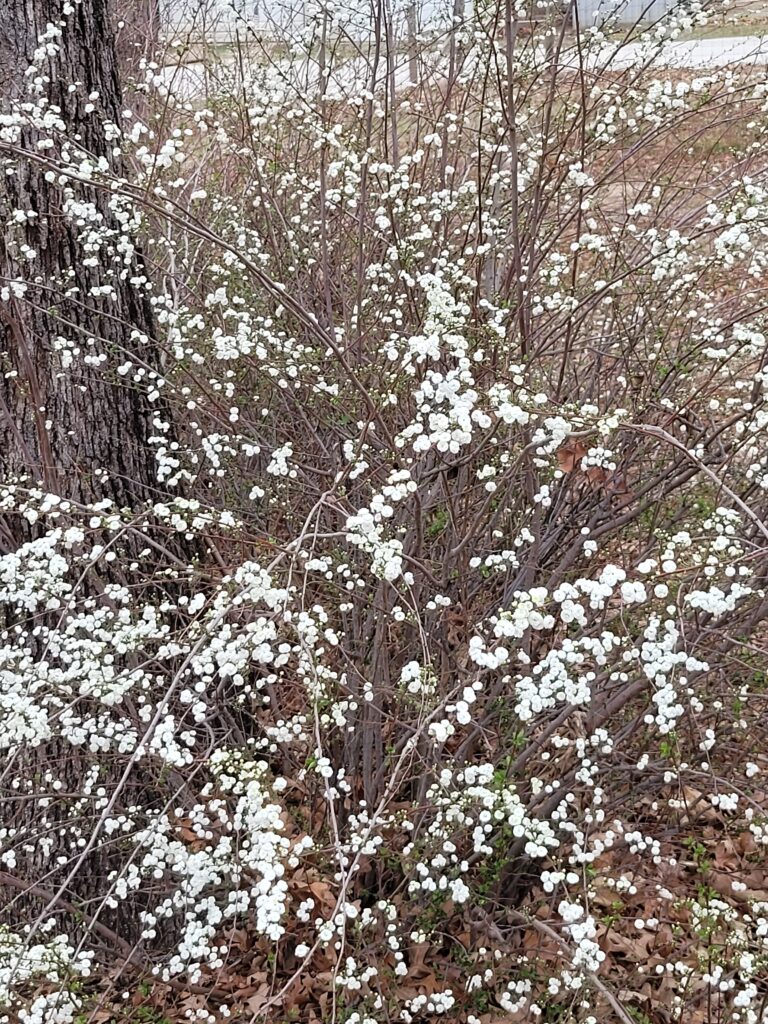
413	48
138	35
74	308
68	419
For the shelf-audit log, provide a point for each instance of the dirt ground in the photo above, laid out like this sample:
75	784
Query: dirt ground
744	12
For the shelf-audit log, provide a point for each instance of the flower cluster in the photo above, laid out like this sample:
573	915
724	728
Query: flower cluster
404	651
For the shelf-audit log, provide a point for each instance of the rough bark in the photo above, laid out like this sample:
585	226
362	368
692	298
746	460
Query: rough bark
68	419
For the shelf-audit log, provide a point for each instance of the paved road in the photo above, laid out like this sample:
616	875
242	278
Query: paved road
693	53
196	79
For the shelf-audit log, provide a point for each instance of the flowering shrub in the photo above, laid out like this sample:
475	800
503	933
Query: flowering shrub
426	676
